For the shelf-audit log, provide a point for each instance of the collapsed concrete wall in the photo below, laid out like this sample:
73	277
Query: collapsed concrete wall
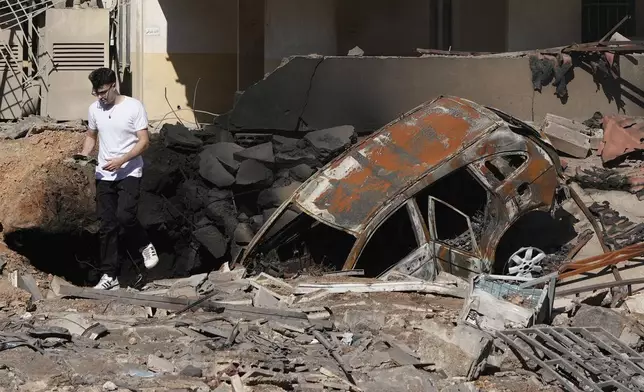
317	92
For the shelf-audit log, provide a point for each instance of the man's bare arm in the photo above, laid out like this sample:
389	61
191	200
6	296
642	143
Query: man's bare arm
89	143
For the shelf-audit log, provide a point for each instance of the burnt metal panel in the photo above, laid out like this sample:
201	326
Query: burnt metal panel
349	191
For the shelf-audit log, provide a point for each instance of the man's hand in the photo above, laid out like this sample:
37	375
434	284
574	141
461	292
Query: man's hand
114	164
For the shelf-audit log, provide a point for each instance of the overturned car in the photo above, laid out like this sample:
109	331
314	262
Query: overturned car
433	190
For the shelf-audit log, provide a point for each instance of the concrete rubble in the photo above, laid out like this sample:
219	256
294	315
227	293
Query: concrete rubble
457	248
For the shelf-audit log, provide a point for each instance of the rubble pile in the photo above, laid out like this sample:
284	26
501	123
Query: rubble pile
217	190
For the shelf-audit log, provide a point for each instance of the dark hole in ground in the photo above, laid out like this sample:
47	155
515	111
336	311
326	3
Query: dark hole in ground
74	256
538	229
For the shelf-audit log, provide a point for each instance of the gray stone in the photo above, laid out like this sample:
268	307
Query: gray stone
275	197
211	134
110	386
398	379
225	153
263	299
465	387
211	169
213	240
21	128
191	371
261	153
179	137
193	195
457	350
284	144
242	217
252	172
221	211
593	316
296	157
287	86
356	51
256	222
159	365
243	234
302	172
330	142
363	320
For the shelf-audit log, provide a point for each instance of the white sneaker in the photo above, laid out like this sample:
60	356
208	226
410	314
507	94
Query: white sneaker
108	283
150	257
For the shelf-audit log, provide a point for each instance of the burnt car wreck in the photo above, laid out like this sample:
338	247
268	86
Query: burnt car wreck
434	190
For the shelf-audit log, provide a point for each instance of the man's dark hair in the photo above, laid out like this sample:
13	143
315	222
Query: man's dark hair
102	76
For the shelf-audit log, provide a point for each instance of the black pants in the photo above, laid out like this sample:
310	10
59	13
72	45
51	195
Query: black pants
117	204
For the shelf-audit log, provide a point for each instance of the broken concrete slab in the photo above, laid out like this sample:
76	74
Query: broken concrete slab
459	350
159	365
566	137
301	172
213	240
287	87
285	144
274	197
256	222
628	331
211	169
261	153
211	134
297	157
252	172
328	143
225	152
263	299
398	379
179	137
191	371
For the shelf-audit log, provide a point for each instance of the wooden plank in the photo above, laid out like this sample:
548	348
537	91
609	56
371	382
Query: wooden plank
420	287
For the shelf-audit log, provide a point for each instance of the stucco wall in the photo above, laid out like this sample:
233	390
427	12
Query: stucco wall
298	27
182	44
543	24
369	92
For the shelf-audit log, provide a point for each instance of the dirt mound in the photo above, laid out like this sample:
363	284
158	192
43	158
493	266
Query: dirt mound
38	189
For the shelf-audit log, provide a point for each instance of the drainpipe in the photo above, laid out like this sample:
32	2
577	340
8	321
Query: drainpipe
137	72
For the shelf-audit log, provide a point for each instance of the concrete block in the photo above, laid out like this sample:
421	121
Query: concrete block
223	214
597	139
213	240
211	169
159	365
328	143
275	197
243	234
398	379
179	137
301	172
225	152
284	144
252	172
261	153
211	134
566	137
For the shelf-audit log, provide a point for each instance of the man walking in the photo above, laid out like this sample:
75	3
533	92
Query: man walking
121	125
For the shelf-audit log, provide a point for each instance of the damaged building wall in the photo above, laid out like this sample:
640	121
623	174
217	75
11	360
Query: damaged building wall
298	27
182	44
479	25
543	24
369	92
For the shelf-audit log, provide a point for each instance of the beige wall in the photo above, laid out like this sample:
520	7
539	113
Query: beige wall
185	42
479	25
298	27
543	24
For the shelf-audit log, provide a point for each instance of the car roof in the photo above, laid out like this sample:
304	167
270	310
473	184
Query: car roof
352	188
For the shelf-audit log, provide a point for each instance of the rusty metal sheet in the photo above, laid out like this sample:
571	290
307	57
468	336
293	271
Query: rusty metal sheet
622	135
356	186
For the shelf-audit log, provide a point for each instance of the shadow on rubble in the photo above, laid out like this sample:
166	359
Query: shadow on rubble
538	229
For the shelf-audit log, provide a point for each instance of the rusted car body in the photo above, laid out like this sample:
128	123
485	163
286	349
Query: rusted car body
450	174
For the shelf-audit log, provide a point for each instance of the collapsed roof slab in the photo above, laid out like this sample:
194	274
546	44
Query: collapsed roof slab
369	92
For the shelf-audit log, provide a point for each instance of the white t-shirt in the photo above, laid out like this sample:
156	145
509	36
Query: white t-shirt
117	126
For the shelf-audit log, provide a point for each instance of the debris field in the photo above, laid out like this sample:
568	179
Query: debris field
457	248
